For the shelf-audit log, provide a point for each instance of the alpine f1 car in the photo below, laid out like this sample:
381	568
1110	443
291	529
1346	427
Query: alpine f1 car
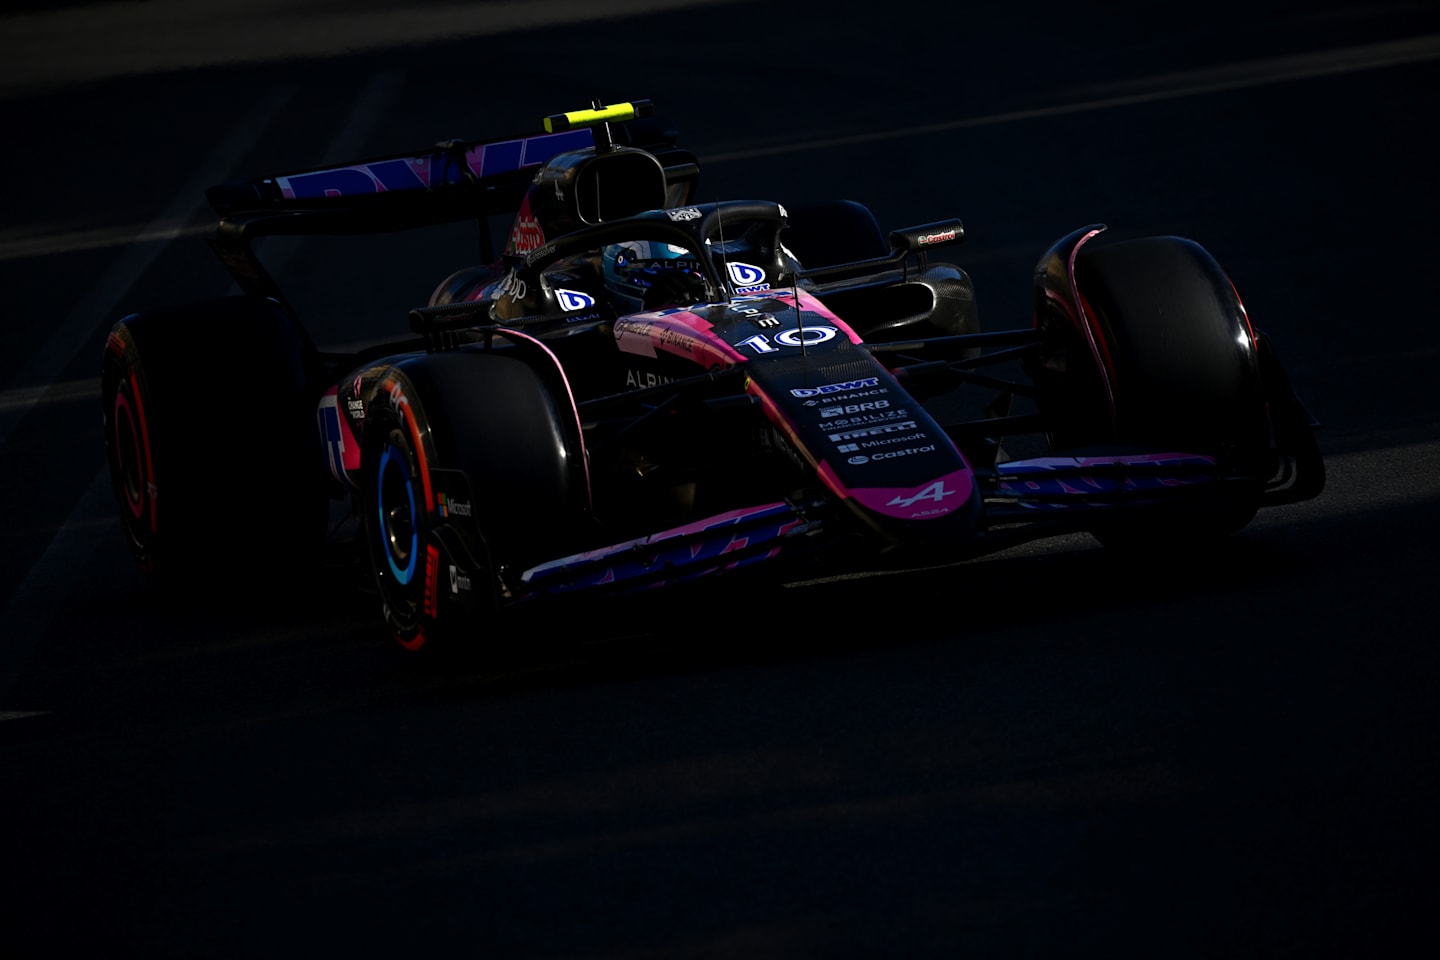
641	389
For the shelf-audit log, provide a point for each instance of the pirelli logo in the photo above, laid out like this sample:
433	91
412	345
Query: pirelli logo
904	426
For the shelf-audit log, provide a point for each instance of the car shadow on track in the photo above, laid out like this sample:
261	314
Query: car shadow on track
1026	600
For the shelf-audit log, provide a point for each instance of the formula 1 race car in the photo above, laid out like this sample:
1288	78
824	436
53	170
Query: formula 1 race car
641	390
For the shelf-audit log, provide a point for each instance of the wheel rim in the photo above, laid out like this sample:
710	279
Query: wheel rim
399	526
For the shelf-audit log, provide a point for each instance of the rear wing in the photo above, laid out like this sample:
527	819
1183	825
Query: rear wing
454	181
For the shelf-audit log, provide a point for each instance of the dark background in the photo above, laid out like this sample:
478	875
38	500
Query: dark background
1051	752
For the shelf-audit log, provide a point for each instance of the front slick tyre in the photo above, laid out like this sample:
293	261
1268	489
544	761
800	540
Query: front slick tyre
474	471
433	570
1186	377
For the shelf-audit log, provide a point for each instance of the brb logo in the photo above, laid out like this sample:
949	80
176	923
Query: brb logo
850	408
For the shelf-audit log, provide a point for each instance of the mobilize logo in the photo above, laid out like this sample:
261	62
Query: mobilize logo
458	580
866	419
936	492
873	418
683	214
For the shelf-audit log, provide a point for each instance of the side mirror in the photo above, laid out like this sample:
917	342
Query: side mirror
927	236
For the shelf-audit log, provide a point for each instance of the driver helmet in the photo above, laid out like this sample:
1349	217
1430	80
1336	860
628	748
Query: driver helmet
646	274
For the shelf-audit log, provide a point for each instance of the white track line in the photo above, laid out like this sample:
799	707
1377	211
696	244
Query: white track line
42	241
25	398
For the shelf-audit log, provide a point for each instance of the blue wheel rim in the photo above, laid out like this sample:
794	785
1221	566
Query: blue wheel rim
391	454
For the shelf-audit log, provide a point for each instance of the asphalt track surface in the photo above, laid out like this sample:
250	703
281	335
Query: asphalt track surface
1052	752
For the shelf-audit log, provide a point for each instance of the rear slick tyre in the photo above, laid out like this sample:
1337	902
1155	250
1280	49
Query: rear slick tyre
195	510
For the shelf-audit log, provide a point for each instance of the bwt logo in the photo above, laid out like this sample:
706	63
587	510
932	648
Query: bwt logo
828	388
744	274
571	300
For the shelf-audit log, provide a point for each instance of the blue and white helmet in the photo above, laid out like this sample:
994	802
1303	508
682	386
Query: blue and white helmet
633	268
